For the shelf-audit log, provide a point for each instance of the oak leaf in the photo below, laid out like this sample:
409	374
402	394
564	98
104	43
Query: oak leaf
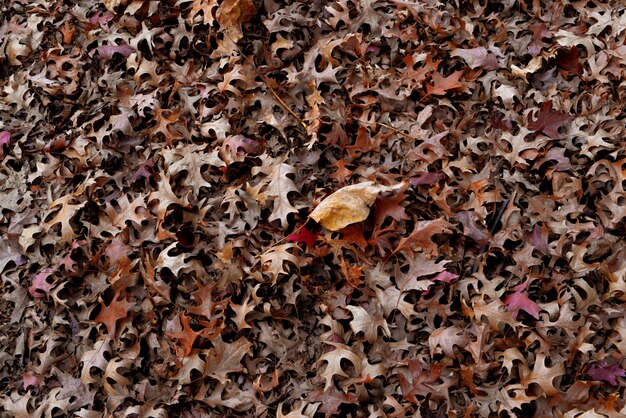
605	373
303	235
116	310
544	375
185	337
225	358
442	84
421	237
548	121
234	12
390	207
474	57
333	361
363	321
445	338
40	286
276	187
331	400
273	260
5	142
519	300
64	215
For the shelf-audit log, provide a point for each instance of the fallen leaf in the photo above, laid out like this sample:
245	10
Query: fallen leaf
235	12
474	57
40	286
108	51
116	310
348	205
605	373
549	121
303	235
5	142
567	60
520	300
442	84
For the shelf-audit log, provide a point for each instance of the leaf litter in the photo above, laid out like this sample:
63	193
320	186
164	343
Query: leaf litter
287	209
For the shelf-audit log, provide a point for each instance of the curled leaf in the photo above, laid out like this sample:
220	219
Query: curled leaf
234	12
348	205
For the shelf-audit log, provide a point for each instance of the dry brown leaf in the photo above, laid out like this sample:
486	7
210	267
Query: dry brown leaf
235	12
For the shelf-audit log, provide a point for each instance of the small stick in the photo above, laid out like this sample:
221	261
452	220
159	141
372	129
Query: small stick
265	80
398	131
491	231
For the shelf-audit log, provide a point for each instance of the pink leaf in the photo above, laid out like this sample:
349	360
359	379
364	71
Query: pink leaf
446	277
519	300
29	380
101	18
427	179
609	374
237	147
144	170
5	141
106	51
40	286
474	57
116	251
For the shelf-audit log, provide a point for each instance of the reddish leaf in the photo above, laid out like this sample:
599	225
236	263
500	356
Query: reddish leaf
354	235
520	300
29	379
390	207
234	12
427	179
5	141
185	337
548	121
609	374
441	84
332	399
101	19
540	32
109	315
342	173
40	286
107	51
446	277
421	237
144	170
567	60
473	228
304	235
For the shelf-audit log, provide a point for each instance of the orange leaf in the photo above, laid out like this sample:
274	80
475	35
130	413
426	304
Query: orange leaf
441	84
185	337
117	309
234	12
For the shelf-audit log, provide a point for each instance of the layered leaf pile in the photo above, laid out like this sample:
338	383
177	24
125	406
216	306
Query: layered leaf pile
336	208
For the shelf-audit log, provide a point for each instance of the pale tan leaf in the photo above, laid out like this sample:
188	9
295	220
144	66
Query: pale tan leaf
363	321
333	360
348	205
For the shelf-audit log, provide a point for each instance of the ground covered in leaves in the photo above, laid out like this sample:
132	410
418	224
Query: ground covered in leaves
312	208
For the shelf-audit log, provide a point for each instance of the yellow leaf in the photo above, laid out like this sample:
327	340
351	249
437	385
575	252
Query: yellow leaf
348	205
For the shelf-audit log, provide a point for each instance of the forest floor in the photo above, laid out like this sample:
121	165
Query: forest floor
311	208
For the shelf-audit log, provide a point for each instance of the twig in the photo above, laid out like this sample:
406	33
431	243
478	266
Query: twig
267	83
494	223
283	238
398	131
